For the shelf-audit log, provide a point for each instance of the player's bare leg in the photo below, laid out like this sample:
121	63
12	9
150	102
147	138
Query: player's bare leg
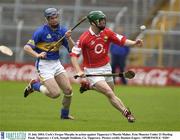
35	85
104	88
126	112
64	83
85	85
111	85
52	87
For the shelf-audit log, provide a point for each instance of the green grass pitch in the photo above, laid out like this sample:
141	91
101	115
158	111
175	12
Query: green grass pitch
155	109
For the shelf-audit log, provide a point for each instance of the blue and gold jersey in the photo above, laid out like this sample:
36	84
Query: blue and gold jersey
44	37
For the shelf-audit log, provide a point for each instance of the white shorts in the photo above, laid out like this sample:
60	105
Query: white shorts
106	69
48	69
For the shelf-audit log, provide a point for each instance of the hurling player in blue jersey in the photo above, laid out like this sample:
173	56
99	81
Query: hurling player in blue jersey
51	73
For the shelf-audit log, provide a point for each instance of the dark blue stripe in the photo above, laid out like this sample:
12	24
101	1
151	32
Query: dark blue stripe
37	64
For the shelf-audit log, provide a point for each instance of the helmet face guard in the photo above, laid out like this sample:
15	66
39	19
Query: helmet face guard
96	17
49	12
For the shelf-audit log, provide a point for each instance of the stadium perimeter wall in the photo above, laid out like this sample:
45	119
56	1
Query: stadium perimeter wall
150	76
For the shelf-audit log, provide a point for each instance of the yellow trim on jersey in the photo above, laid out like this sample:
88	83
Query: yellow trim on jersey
45	46
31	42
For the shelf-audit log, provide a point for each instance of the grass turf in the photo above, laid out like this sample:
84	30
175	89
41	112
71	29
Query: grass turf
155	109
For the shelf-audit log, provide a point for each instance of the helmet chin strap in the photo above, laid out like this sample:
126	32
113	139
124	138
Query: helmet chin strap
54	26
100	28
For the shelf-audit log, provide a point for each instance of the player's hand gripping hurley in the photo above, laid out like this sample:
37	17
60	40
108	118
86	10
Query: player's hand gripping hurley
80	21
129	74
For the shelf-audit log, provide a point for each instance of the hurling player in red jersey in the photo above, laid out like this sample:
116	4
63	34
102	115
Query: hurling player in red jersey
94	46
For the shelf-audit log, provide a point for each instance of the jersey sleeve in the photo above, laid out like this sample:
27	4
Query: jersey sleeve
116	38
76	50
35	39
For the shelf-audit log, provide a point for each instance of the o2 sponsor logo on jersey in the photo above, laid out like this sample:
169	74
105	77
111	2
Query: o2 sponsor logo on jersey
98	48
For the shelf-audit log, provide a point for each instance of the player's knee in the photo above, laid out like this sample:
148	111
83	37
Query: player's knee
54	96
68	91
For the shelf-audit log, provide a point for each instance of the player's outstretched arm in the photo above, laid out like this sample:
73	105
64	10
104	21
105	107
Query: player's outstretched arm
138	42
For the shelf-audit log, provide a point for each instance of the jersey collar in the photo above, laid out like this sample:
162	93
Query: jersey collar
52	28
92	33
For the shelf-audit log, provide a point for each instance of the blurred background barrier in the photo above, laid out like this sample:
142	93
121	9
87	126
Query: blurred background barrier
144	75
19	18
156	76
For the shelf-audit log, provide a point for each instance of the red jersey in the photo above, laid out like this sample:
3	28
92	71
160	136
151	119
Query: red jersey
95	48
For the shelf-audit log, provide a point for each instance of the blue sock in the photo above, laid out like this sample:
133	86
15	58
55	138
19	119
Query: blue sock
64	113
36	86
